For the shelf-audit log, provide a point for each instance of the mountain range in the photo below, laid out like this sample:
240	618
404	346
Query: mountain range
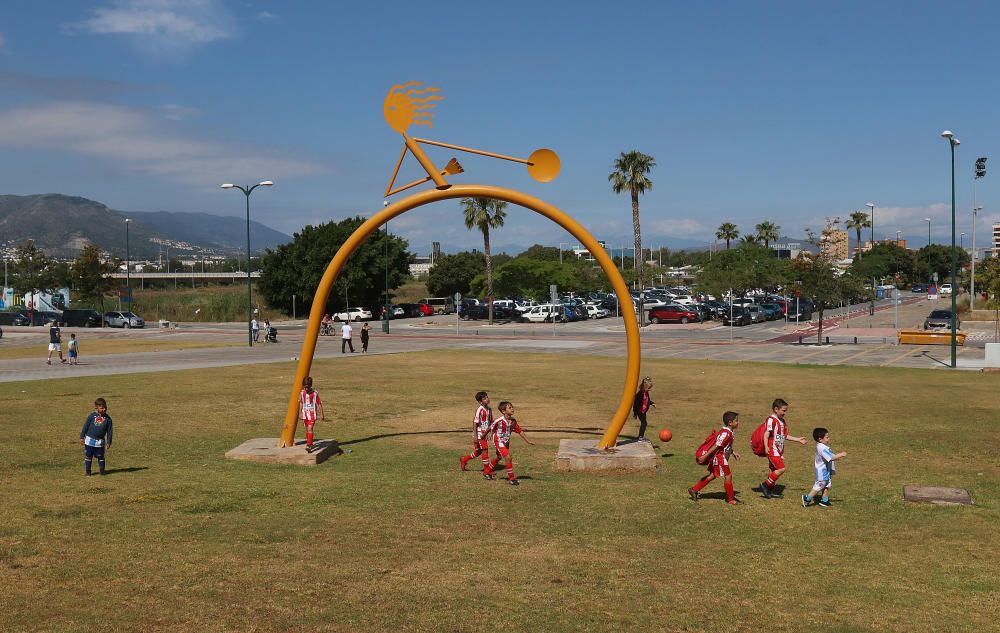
62	225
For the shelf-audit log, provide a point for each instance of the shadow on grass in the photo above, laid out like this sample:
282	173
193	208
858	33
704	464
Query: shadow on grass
580	431
133	469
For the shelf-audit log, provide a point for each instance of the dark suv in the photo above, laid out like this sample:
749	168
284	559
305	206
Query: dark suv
81	318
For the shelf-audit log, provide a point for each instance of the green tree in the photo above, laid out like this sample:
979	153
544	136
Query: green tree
454	273
768	232
485	214
296	268
33	270
91	276
816	278
747	267
630	174
727	231
936	258
883	261
543	253
858	221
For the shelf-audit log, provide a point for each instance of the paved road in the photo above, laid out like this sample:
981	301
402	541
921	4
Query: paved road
769	342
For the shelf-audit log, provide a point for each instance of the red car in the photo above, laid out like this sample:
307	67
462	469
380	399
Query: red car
672	312
426	310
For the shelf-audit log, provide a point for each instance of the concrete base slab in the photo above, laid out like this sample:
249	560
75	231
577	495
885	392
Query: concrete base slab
265	449
575	455
941	496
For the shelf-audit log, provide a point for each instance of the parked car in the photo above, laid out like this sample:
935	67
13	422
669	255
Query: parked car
596	312
738	316
940	319
35	317
481	312
673	312
757	315
81	318
918	288
945	289
410	310
397	312
704	312
441	305
123	319
800	310
772	311
544	313
353	314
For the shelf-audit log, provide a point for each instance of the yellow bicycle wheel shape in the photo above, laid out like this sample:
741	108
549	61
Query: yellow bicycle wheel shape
471	191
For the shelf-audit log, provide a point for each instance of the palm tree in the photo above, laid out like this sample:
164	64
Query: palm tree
630	175
727	231
485	214
768	232
858	221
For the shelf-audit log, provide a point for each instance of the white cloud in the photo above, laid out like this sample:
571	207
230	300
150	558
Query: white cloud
142	142
161	26
265	16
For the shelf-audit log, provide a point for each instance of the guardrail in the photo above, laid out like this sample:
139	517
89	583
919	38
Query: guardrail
929	337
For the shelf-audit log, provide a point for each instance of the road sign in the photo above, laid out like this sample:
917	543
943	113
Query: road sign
554	293
458	297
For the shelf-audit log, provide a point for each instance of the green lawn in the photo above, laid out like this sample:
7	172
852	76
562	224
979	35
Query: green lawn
392	537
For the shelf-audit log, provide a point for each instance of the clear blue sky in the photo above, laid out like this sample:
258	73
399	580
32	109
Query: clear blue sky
789	112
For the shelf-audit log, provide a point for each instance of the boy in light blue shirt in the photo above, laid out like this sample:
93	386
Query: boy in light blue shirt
825	464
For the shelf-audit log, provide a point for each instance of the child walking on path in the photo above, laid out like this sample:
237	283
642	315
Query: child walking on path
825	464
482	421
641	405
718	466
74	349
775	433
309	405
95	436
502	428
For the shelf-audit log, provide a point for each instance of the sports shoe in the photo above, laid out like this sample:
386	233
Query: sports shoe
734	502
775	494
823	504
514	482
461	463
488	476
765	490
805	501
48	362
694	494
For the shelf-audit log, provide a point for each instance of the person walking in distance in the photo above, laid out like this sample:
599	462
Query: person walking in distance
255	329
55	342
365	330
345	337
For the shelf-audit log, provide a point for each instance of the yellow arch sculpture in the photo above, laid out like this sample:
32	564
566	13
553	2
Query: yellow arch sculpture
470	191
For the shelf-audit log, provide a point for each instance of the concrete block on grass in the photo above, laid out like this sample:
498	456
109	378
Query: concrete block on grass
265	449
582	455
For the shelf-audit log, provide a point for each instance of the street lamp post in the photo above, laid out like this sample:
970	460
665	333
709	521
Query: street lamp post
962	241
930	273
871	207
386	307
560	250
972	276
246	192
898	233
953	143
127	259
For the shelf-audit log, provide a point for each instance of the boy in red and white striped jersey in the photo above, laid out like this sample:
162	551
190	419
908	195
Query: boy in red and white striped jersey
481	423
718	466
775	434
501	429
309	405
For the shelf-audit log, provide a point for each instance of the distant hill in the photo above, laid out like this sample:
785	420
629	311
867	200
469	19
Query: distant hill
62	225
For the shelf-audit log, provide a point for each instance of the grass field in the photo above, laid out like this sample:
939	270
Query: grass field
102	346
392	537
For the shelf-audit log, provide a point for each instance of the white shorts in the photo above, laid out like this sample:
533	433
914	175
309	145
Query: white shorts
821	484
55	347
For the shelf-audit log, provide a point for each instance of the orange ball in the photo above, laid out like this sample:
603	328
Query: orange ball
666	435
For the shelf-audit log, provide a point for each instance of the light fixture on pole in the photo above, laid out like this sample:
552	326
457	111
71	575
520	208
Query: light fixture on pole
871	207
387	306
953	143
246	192
930	273
961	241
560	250
980	172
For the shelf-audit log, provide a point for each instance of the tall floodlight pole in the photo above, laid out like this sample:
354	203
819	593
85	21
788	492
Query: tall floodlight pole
953	143
871	207
980	172
386	307
127	261
246	192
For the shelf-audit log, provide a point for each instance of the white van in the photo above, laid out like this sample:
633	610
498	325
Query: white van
544	313
441	305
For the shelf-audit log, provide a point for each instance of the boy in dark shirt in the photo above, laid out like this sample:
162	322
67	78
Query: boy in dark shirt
96	435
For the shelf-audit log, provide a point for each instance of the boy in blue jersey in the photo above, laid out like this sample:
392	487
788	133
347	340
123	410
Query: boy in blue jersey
825	468
96	435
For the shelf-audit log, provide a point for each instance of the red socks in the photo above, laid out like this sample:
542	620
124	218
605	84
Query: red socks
730	494
772	478
701	484
309	437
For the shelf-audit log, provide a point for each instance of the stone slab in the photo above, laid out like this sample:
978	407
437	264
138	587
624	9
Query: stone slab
581	455
941	496
265	449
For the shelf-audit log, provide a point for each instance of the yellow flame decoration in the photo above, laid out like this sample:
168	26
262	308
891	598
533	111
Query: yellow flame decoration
410	104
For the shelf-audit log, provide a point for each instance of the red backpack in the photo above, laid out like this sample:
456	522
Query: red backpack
707	448
757	440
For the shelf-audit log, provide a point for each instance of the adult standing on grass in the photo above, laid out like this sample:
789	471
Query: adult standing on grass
364	337
345	337
55	342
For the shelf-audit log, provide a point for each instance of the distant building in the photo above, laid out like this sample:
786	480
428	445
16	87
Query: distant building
421	266
833	244
996	237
